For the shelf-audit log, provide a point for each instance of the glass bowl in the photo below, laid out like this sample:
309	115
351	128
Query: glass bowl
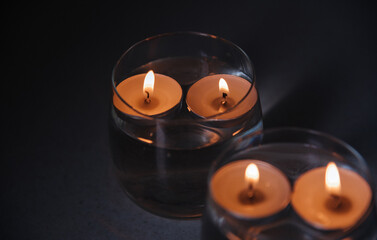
162	160
294	152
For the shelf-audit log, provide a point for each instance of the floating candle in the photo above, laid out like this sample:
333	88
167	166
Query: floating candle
221	93
149	94
331	198
250	189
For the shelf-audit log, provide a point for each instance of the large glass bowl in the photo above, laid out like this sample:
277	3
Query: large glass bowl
162	161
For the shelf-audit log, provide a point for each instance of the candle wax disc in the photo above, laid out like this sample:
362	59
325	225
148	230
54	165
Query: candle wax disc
229	182
309	199
166	95
202	94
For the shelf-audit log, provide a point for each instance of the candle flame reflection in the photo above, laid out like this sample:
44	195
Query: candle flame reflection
332	179
148	84
252	174
223	86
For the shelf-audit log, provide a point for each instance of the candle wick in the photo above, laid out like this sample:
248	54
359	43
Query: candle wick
223	101
147	100
250	191
336	201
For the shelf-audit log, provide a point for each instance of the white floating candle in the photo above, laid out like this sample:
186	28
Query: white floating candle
257	191
219	93
150	94
331	198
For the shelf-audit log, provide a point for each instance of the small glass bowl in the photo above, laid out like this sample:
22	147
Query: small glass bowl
294	151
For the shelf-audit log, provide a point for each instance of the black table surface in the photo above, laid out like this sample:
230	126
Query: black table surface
316	67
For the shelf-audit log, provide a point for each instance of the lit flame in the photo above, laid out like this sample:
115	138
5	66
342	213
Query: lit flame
148	84
223	86
332	179
252	174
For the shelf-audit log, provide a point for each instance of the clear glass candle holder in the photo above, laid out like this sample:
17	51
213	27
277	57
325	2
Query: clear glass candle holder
294	152
162	160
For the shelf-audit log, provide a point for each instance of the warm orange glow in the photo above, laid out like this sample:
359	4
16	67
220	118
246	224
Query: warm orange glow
145	140
252	174
332	179
148	84
223	86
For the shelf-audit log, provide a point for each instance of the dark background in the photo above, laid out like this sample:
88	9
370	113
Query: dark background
316	66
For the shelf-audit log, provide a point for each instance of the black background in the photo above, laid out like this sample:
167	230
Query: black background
316	67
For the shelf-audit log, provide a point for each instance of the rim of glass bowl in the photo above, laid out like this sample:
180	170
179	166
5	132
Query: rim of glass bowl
198	119
359	165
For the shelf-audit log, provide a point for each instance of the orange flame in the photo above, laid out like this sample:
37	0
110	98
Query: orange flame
252	174
223	86
148	84
332	179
